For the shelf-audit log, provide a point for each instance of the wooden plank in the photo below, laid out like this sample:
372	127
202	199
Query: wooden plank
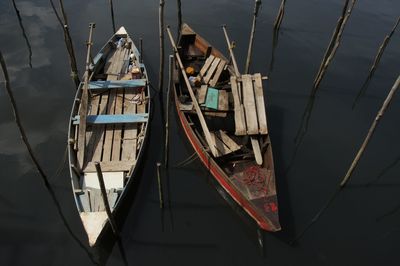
240	122
100	129
256	149
223	143
212	98
110	60
112	84
112	180
84	200
211	71
116	147
141	109
223	102
206	65
114	119
112	198
249	105
232	145
261	113
221	148
109	134
91	138
201	94
218	73
113	166
130	131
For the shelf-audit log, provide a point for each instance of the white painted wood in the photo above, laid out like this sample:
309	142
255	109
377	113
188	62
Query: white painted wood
111	180
93	223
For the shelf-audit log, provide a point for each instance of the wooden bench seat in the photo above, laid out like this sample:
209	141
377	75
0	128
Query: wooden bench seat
114	119
114	84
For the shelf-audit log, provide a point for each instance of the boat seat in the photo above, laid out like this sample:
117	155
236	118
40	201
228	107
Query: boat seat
114	84
114	119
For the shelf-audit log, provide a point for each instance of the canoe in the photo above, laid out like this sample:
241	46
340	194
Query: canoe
116	131
227	151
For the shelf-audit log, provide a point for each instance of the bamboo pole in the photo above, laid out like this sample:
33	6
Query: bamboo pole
335	42
141	49
68	42
179	18
161	29
257	5
230	47
83	109
275	34
377	59
170	85
105	199
327	59
353	165
21	25
193	97
160	193
279	17
371	132
40	170
112	15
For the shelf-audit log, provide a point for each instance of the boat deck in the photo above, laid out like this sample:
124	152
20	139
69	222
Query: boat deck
113	142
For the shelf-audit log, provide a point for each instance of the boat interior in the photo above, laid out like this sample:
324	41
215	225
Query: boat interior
234	111
116	124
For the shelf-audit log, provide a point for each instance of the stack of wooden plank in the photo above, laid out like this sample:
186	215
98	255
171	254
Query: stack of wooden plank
248	96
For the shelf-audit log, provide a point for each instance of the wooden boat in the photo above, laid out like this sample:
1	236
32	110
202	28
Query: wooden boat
118	110
223	133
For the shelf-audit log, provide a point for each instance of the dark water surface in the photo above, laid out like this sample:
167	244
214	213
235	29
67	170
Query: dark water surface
362	227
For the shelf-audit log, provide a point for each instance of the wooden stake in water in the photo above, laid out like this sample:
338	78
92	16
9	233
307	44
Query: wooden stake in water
328	57
179	17
170	86
160	193
105	199
378	57
161	29
279	17
141	50
334	43
257	5
371	131
84	102
42	174
112	15
28	44
68	41
353	165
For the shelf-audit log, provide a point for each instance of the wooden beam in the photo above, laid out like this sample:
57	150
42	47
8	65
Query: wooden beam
111	166
221	67
196	106
240	121
260	104
211	70
84	103
206	65
249	105
112	84
114	119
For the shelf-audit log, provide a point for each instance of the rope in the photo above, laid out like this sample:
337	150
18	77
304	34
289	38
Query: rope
187	161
